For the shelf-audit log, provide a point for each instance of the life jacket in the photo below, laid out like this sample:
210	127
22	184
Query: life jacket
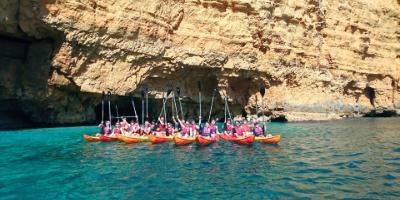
106	130
116	131
229	128
206	131
214	128
170	131
246	128
185	130
238	130
147	130
161	127
258	131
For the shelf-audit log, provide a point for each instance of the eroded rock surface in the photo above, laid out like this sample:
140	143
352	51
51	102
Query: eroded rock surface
319	59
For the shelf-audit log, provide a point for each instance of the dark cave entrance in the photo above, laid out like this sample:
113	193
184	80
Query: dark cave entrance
370	94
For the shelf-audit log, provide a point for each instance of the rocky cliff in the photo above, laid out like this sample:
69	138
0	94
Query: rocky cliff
319	59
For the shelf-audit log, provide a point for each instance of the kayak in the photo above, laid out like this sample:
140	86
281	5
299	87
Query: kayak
206	140
104	138
128	139
226	137
245	140
183	141
272	140
91	138
159	139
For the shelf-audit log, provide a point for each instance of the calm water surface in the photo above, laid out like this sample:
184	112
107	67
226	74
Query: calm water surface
343	159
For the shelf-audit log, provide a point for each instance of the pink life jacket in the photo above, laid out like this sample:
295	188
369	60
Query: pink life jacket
239	130
246	128
116	131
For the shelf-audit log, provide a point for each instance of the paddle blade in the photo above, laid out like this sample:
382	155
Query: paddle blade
142	93
178	90
262	90
199	85
169	92
102	95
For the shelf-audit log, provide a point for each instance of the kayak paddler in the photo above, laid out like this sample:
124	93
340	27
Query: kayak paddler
105	129
228	129
213	126
134	128
258	131
207	131
147	128
116	130
245	126
124	125
161	125
170	130
238	131
185	128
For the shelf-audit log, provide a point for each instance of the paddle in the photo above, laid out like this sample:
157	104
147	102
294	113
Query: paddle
199	87
262	92
109	105
134	109
165	108
142	94
116	109
102	107
212	103
178	90
146	88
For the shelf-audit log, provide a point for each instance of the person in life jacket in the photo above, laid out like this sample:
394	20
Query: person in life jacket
245	126
228	129
185	128
258	131
124	125
146	130
169	130
134	128
105	128
116	130
193	128
176	124
238	131
207	131
214	127
161	124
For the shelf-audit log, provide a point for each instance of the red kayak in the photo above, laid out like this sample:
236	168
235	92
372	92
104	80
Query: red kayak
245	140
91	138
157	139
104	138
203	141
226	137
180	141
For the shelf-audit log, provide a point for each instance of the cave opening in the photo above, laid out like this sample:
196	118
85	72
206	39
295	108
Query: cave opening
370	94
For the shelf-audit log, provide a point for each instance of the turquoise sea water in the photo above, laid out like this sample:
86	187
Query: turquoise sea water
343	159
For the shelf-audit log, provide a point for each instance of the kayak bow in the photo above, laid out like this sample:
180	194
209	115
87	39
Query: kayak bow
272	140
246	140
91	138
183	141
128	140
159	139
206	140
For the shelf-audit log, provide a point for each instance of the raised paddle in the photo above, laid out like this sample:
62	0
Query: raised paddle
146	88
262	92
134	109
178	91
212	103
102	107
109	105
165	107
116	109
199	86
142	94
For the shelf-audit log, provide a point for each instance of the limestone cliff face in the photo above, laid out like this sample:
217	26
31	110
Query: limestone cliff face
317	58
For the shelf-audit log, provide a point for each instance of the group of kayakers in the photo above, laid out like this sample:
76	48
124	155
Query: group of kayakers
185	128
